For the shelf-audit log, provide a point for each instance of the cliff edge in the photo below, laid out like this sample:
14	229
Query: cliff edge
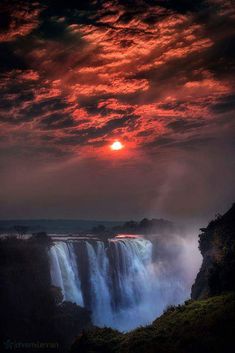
217	246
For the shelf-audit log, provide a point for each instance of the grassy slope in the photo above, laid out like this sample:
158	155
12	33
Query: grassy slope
198	326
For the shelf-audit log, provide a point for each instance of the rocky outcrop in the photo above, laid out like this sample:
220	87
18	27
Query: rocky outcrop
217	245
30	308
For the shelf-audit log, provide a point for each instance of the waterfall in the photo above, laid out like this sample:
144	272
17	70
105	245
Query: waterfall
115	280
64	272
132	259
99	283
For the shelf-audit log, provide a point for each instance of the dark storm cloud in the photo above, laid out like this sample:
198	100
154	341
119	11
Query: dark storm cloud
32	102
56	121
161	141
38	109
111	125
184	125
10	60
224	104
193	142
83	136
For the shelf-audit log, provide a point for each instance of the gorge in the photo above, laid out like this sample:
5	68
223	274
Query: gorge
117	280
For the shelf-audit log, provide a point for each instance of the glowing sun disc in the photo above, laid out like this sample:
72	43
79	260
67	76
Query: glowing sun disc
116	146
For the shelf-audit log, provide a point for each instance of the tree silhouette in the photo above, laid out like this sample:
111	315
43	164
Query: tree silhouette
21	230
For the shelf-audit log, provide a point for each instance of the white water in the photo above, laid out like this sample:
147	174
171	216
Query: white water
124	289
64	272
99	282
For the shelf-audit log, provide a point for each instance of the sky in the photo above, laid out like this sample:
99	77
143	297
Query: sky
158	76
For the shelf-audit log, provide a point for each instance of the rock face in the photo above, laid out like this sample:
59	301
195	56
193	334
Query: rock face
217	245
30	307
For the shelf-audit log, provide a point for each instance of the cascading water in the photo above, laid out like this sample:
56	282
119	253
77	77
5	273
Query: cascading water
64	271
99	284
115	280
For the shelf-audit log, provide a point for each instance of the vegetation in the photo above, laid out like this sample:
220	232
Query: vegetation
145	226
21	230
103	233
203	326
102	340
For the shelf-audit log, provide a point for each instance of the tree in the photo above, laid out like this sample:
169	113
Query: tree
21	230
99	229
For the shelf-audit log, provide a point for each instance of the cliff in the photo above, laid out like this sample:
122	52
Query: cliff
29	310
217	245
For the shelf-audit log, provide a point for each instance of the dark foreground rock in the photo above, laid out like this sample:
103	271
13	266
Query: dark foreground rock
217	245
32	317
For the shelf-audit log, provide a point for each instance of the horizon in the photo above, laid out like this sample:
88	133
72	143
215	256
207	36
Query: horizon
193	220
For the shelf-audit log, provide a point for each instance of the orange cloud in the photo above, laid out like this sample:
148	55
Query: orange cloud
22	19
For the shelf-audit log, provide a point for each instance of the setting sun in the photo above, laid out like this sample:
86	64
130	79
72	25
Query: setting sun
116	146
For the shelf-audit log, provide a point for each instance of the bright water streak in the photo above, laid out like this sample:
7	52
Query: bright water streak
64	272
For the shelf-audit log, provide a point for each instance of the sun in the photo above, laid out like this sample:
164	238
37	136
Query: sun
116	146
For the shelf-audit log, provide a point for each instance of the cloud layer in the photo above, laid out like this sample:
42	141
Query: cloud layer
158	75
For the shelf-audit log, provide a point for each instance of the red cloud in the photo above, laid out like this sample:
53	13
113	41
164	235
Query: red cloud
111	77
22	19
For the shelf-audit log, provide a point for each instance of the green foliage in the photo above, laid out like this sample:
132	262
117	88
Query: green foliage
145	226
21	230
170	308
98	229
199	326
103	340
41	237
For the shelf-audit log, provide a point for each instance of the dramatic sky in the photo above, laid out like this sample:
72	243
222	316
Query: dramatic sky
156	75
